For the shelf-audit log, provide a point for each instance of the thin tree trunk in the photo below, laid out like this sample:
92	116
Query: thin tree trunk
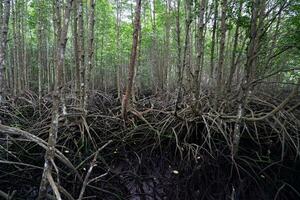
178	61
257	18
157	83
76	56
40	54
48	66
220	70
3	45
200	49
118	67
234	50
23	43
213	42
91	25
167	44
134	85
19	44
49	156
15	51
127	96
188	22
81	53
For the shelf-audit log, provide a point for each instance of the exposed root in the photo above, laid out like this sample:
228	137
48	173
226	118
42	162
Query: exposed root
157	155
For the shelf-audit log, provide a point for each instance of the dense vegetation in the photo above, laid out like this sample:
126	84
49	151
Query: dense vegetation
154	99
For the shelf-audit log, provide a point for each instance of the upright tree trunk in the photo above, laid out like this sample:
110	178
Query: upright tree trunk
76	55
188	22
3	45
200	48
118	67
256	28
178	42
23	43
178	60
81	53
235	45
49	82
213	42
40	54
19	45
127	96
167	44
139	57
59	69
15	50
91	25
220	70
187	51
49	156
157	82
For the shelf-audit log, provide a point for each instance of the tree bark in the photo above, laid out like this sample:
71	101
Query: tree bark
213	39
178	61
3	45
200	48
40	54
127	96
15	50
178	42
118	67
76	55
81	53
49	156
234	50
257	18
220	70
167	43
188	22
139	57
91	25
157	82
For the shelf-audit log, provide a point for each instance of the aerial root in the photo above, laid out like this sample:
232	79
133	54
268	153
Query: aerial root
157	147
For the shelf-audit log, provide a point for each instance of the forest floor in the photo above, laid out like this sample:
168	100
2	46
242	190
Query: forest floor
156	154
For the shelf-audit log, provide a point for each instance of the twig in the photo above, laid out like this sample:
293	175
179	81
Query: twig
93	164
